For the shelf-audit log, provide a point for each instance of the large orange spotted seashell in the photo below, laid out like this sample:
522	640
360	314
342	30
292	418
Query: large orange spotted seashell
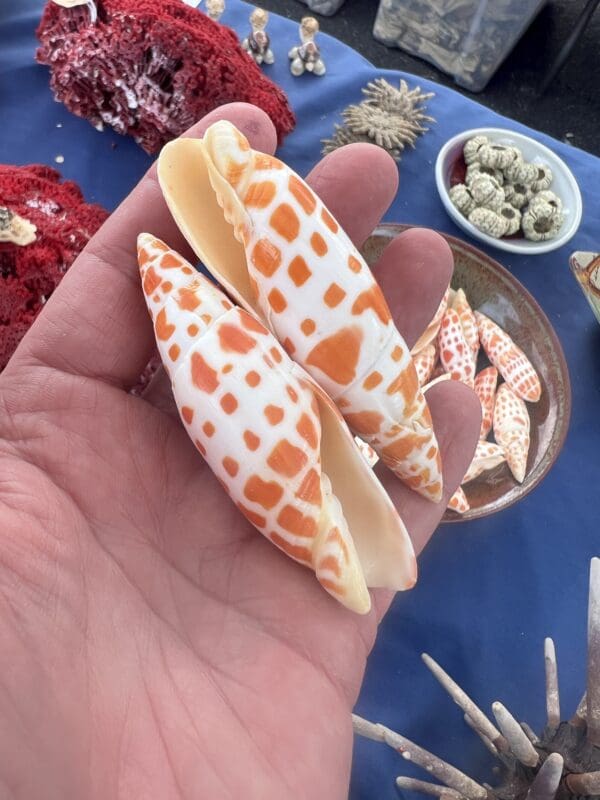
272	437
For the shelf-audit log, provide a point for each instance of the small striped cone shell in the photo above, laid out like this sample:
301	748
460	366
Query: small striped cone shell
458	502
455	354
467	320
430	333
485	386
487	456
510	361
511	430
285	257
424	362
274	440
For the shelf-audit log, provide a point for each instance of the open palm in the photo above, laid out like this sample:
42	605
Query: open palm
152	643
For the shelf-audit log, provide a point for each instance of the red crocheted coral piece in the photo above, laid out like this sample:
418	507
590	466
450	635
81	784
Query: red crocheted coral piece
151	68
29	274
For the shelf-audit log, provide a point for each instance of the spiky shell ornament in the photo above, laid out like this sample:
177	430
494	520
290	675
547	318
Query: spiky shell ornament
562	763
389	117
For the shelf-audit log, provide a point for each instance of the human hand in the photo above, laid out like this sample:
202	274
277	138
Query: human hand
153	644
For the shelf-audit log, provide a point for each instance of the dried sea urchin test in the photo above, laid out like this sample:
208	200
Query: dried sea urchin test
512	217
472	148
488	221
462	198
519	194
543	178
487	192
497	156
547	197
541	221
520	171
476	169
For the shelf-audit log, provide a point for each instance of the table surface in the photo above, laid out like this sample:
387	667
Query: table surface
489	590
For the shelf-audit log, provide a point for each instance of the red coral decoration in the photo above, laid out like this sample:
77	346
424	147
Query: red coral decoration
151	68
30	273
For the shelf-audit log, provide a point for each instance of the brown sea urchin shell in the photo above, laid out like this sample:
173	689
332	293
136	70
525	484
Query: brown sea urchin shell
562	763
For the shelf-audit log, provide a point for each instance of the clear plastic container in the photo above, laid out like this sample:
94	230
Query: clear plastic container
468	39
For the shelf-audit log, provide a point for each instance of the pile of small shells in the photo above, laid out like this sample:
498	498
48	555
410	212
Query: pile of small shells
456	345
503	193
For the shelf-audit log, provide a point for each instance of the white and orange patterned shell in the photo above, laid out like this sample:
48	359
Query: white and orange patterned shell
285	256
430	333
424	362
485	386
275	441
458	502
510	361
487	456
467	320
511	430
455	354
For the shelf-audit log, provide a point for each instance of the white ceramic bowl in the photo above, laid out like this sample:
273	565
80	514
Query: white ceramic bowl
563	184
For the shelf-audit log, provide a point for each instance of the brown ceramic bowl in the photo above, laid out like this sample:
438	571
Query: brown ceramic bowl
493	290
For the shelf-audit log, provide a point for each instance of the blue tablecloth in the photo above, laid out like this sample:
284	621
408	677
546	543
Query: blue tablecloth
489	590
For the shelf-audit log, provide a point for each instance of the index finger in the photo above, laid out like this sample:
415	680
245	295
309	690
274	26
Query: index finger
96	322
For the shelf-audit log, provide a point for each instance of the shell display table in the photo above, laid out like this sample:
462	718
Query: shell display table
489	589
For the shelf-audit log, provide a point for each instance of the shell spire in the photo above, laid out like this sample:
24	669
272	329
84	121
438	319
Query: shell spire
486	382
270	241
273	439
511	430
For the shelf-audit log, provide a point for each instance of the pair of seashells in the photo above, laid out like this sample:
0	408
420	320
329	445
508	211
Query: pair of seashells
271	428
